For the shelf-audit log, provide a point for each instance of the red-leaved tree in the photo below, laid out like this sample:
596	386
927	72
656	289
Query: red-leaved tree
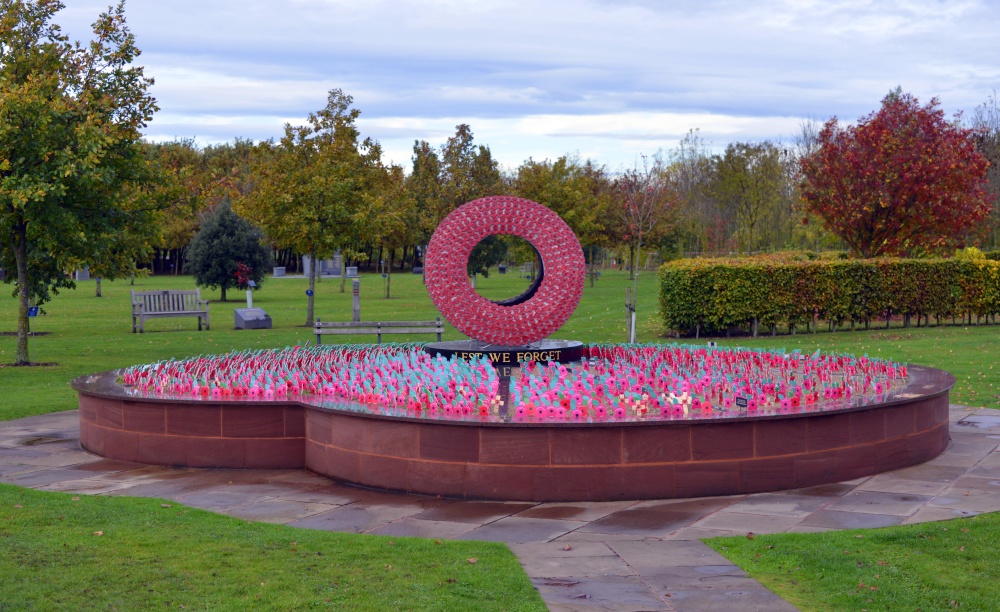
903	181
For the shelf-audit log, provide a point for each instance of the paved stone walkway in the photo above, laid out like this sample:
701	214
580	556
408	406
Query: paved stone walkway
631	555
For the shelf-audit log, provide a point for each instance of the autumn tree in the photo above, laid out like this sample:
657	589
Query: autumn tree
902	181
71	117
225	241
645	203
308	188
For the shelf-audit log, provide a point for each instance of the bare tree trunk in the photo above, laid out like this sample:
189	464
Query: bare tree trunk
343	273
593	272
310	302
97	285
635	287
21	259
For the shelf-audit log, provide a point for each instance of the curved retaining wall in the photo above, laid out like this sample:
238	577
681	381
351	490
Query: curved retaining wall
531	462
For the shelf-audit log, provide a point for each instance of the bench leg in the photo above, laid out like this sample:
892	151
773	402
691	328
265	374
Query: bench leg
199	323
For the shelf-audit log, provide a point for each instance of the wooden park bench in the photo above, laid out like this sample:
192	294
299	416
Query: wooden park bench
366	327
168	303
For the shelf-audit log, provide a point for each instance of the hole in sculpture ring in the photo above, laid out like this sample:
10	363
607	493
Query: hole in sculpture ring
529	317
532	288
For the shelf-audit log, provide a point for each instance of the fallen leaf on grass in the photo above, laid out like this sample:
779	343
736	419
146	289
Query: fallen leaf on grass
749	535
18	506
75	499
164	505
473	560
98	533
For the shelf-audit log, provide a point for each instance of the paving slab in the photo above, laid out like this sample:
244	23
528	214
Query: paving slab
797	505
574	511
833	519
331	494
902	504
928	514
86	486
743	522
614	593
516	529
696	533
891	483
749	597
419	528
966	499
475	512
278	510
359	518
579	566
652	556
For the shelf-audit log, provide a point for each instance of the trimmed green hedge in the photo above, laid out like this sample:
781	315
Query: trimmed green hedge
712	295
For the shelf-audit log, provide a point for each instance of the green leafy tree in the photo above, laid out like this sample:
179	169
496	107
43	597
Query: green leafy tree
579	192
388	214
308	188
424	185
469	172
182	164
225	241
750	179
70	122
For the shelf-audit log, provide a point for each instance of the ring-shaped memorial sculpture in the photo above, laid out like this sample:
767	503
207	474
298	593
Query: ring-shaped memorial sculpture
531	316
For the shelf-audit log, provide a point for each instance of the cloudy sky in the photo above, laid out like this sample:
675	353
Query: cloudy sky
604	79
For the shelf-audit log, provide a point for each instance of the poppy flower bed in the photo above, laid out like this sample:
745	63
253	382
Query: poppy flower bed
614	382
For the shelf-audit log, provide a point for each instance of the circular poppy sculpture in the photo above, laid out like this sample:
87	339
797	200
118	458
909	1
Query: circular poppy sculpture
531	316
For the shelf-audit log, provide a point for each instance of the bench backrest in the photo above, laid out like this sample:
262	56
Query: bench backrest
167	301
374	324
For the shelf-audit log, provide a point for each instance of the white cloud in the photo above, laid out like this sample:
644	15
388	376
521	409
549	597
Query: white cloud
605	78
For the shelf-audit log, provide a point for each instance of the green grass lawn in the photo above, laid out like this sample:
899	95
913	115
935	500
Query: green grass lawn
84	334
946	565
60	551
